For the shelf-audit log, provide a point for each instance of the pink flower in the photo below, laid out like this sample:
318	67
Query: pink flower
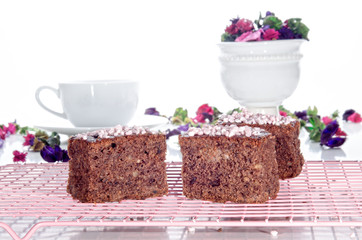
2	134
205	108
19	157
245	25
340	132
203	112
29	140
271	34
284	114
232	29
327	120
12	128
355	117
199	119
250	36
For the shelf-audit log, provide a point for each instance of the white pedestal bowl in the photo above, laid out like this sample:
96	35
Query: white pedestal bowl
260	75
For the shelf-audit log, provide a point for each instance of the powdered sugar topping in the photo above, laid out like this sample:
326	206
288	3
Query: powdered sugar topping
114	132
227	130
254	118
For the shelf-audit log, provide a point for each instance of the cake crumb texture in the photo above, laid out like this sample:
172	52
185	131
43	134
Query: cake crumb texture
117	168
237	169
289	157
285	129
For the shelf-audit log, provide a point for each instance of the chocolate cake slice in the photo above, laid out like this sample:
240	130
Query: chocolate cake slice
286	131
118	163
229	163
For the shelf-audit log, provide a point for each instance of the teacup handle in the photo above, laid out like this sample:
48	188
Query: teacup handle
56	91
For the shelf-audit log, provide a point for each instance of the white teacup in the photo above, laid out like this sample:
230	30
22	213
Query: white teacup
95	103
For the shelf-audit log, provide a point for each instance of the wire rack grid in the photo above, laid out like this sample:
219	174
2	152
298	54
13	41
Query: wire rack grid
327	193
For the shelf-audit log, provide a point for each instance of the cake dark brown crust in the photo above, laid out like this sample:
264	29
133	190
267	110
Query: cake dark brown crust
289	157
236	169
113	169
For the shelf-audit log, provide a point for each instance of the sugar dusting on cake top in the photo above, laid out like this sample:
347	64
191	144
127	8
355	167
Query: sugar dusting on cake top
226	130
255	118
114	132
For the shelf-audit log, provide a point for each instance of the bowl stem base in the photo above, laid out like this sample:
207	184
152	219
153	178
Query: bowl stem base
264	110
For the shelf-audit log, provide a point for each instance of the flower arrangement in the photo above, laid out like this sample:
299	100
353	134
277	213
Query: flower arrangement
40	141
204	114
325	130
265	28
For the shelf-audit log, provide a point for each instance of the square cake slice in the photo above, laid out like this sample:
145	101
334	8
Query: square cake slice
286	131
118	163
229	163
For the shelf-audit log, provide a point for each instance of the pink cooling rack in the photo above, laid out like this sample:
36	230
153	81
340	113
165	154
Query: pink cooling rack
327	193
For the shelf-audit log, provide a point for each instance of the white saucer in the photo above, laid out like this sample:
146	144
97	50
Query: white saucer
142	121
68	130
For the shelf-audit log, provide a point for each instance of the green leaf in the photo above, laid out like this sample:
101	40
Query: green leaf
302	123
226	37
335	114
216	114
315	135
41	134
234	110
296	25
312	121
180	117
52	140
309	129
273	22
23	130
259	21
38	145
289	113
312	112
181	113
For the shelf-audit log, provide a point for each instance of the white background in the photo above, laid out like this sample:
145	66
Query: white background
170	46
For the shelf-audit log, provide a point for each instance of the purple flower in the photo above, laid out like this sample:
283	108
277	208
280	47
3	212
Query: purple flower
266	27
286	33
177	131
327	138
208	116
268	13
335	142
152	111
55	154
184	128
348	113
170	133
1	142
302	115
329	131
234	20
